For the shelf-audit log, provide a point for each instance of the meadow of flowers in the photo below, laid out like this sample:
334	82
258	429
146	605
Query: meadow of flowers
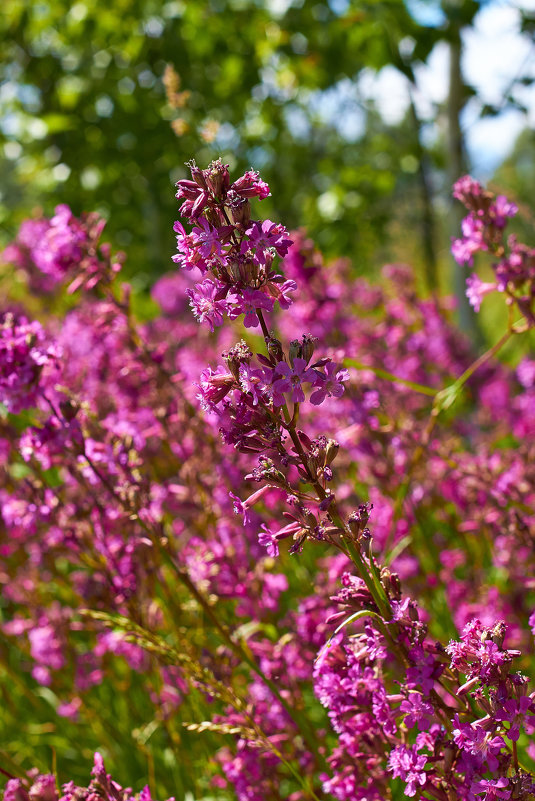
275	540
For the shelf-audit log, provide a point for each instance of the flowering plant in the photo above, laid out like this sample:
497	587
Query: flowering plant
146	496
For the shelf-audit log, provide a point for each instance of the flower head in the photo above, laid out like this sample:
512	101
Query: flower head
208	302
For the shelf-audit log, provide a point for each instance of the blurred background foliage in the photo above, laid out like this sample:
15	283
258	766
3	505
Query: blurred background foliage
102	103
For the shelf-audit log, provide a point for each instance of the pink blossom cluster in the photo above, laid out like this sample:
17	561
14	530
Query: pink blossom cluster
151	473
43	787
227	245
483	230
64	246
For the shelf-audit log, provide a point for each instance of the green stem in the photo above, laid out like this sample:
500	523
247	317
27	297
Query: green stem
375	588
378	371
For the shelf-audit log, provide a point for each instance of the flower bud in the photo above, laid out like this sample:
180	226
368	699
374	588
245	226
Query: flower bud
331	451
69	409
217	176
312	464
240	208
308	343
248	271
297	547
449	754
274	348
326	502
233	268
197	174
295	351
354	523
395	586
467	686
310	519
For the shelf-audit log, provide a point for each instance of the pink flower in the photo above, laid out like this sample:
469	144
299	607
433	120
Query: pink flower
493	788
472	240
207	302
208	239
408	765
268	540
329	384
501	209
253	381
466	189
247	302
251	185
292	380
187	257
267	234
476	290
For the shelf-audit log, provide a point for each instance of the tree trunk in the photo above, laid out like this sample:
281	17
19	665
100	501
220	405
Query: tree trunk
457	167
428	216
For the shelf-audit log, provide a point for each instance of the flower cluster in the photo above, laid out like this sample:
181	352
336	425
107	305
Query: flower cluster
483	230
433	741
51	250
237	252
43	787
24	353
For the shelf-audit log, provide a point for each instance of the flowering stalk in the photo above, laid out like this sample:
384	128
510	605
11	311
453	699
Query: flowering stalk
249	401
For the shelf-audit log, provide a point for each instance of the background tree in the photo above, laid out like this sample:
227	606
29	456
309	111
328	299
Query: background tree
280	86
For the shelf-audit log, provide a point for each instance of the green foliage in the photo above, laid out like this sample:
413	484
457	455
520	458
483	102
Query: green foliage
86	113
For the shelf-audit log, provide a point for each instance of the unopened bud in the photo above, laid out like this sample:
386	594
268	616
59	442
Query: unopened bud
297	547
310	520
126	294
354	523
295	351
331	450
308	343
234	269
240	208
312	464
448	751
395	587
274	348
197	175
69	409
218	177
467	686
326	502
247	270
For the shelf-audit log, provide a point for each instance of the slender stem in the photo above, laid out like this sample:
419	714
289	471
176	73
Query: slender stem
395	379
263	324
468	373
5	773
